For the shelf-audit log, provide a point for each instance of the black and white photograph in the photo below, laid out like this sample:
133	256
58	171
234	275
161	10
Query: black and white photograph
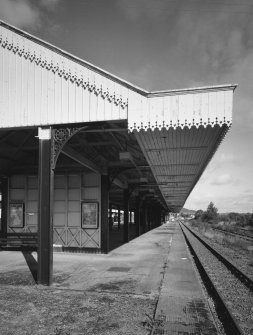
126	167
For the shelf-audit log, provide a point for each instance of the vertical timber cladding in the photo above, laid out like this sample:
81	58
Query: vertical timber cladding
69	193
49	85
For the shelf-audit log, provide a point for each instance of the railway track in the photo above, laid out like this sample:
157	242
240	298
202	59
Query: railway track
230	289
237	234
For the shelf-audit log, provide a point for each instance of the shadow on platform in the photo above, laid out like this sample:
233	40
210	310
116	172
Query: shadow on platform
116	237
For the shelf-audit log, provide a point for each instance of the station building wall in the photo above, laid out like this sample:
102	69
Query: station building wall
70	192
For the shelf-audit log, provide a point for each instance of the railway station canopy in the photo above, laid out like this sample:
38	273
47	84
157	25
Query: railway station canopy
160	141
62	116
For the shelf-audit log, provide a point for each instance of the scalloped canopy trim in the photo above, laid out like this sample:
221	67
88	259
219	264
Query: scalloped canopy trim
178	124
67	74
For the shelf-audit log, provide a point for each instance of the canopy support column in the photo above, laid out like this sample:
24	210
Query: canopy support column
149	218
137	216
5	206
130	217
45	222
110	217
118	217
126	215
104	213
144	213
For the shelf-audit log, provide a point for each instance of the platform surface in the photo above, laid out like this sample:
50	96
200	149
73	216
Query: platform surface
182	307
156	266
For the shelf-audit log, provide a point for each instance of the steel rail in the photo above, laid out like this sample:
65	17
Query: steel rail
231	267
226	317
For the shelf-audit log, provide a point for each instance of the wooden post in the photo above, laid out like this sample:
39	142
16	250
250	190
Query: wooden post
104	213
5	207
137	216
126	215
45	224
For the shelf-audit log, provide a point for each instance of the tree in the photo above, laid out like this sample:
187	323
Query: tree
211	213
250	220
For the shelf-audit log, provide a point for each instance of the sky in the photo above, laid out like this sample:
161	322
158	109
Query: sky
160	45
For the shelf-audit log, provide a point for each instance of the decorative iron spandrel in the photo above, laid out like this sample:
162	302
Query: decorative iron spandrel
59	138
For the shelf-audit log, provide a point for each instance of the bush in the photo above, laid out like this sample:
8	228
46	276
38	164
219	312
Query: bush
224	220
198	214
